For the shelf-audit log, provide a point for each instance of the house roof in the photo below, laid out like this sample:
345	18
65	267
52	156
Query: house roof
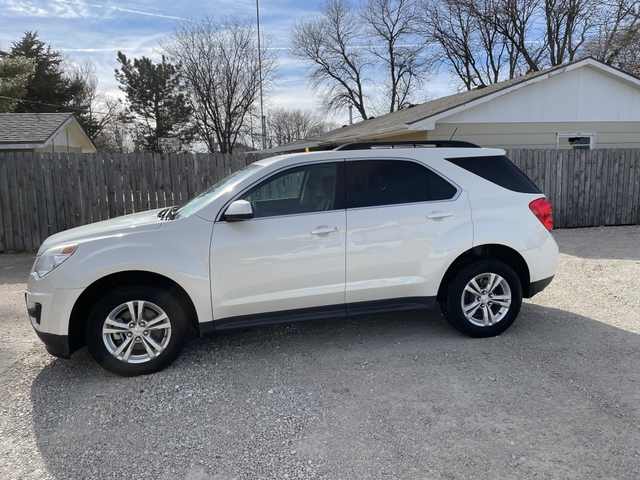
25	131
30	127
424	116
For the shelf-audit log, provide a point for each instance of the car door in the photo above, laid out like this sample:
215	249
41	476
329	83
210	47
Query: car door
289	260
403	222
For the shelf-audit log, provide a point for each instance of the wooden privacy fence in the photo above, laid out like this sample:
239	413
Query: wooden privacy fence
587	188
45	193
42	194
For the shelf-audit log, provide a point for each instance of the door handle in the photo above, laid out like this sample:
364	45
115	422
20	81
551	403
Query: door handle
324	230
437	215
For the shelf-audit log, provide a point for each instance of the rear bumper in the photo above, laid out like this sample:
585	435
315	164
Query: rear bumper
542	263
537	287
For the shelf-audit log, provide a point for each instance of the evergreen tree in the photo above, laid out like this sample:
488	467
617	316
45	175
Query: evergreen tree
50	89
15	74
155	101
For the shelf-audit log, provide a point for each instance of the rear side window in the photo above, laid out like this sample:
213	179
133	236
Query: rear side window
392	182
499	170
439	188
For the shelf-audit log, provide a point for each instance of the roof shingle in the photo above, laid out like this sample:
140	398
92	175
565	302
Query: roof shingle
29	127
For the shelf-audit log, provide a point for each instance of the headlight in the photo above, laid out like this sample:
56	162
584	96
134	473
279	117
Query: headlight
53	257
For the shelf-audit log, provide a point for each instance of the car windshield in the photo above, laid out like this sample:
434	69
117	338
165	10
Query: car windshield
213	191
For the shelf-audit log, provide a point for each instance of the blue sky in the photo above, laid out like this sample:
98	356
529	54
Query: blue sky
97	29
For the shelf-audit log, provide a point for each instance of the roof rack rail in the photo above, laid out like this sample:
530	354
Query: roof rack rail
407	143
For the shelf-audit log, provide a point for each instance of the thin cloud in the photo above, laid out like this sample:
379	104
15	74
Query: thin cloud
125	10
90	50
33	9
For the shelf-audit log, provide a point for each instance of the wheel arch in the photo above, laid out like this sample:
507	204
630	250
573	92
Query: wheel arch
88	298
488	251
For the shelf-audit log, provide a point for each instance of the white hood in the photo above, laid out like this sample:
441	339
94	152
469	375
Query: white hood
125	225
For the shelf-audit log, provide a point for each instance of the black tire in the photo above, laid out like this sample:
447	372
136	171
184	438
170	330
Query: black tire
480	325
103	345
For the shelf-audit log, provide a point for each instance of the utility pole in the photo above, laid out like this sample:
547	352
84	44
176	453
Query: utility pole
262	120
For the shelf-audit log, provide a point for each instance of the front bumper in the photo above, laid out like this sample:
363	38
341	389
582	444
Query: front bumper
57	345
49	310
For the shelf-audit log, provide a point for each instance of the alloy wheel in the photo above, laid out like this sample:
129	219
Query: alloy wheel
486	299
136	331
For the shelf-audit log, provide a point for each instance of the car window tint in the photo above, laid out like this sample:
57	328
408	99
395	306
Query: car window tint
499	170
282	187
310	188
439	188
388	182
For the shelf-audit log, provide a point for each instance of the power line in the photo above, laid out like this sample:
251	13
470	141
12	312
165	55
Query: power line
21	100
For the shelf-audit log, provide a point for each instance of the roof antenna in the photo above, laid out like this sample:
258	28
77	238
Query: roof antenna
454	132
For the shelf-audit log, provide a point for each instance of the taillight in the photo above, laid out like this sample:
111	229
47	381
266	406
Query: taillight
543	209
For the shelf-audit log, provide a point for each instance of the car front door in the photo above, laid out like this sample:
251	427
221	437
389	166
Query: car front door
403	222
289	260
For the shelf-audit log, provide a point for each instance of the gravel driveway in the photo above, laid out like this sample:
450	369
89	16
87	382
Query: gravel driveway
383	396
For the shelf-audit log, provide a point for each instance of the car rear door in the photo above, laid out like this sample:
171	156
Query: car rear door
403	222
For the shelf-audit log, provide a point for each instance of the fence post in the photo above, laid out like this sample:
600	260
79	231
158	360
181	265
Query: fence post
14	206
6	229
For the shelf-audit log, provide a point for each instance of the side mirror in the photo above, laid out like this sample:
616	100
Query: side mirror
238	211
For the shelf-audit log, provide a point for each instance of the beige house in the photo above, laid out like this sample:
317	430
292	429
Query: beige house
43	132
583	104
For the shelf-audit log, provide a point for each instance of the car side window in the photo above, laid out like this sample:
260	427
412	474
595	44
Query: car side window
439	188
392	182
310	188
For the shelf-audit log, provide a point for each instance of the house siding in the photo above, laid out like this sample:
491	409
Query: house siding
537	135
581	95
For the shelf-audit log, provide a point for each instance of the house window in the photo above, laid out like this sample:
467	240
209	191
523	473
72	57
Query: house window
575	140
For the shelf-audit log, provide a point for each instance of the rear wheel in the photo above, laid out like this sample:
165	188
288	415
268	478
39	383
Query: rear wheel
136	330
484	299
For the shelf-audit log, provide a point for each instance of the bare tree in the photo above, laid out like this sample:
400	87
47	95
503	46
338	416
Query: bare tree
568	23
487	41
473	50
286	126
502	60
543	32
518	21
103	116
332	47
450	25
223	69
118	134
617	41
393	38
95	109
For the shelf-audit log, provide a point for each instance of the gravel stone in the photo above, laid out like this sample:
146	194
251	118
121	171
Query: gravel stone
383	396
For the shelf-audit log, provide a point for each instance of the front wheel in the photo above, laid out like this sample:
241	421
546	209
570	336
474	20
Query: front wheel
484	299
136	330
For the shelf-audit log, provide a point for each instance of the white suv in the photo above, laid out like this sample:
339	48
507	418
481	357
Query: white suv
356	230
